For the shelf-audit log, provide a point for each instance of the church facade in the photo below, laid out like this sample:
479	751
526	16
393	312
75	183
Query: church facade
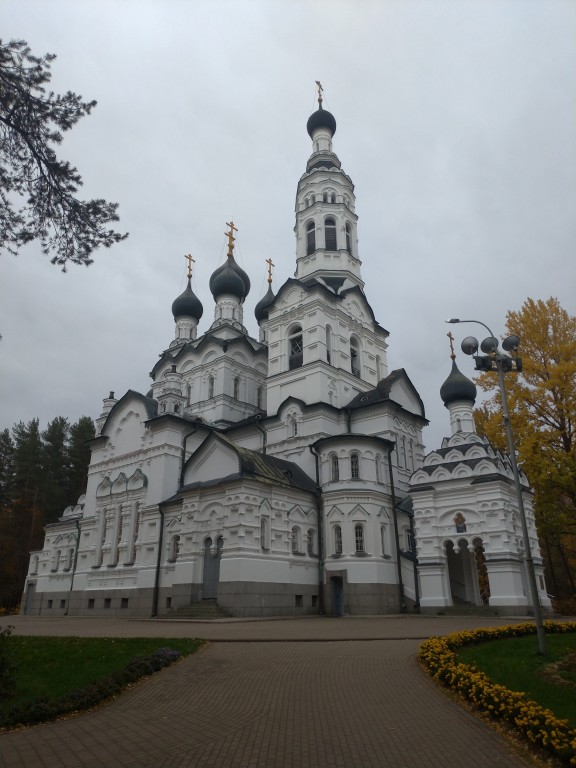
285	475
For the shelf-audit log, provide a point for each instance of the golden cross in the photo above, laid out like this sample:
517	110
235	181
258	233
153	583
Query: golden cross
452	355
190	262
270	265
230	236
320	91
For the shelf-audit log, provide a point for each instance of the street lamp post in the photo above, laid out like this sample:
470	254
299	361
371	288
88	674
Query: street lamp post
494	359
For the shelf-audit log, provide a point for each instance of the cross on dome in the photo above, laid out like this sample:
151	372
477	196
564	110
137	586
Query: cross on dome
191	261
230	236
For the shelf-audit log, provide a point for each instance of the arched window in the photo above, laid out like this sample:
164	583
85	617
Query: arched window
337	540
411	453
328	344
237	388
176	407
348	239
56	562
210	387
359	537
264	533
311	543
332	198
354	466
188	394
355	356
384	539
377	464
310	238
296	540
259	397
334	468
135	532
292	426
330	234
174	550
325	197
34	565
296	347
403	448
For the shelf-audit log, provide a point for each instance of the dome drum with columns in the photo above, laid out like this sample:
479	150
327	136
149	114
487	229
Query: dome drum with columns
285	475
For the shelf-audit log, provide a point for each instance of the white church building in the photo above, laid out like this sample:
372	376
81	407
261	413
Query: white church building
286	475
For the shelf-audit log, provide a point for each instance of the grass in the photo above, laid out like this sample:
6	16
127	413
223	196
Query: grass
53	667
516	664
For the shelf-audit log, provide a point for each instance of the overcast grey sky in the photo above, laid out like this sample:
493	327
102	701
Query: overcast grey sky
456	121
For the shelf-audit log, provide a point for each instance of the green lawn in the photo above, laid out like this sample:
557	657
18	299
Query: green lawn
516	664
53	667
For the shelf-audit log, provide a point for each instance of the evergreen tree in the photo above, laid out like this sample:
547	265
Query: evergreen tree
40	475
6	469
79	457
32	121
55	469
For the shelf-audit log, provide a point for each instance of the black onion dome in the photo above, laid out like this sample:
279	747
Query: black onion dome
321	119
231	279
187	304
457	387
261	309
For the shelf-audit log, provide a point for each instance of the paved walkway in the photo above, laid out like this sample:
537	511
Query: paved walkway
329	693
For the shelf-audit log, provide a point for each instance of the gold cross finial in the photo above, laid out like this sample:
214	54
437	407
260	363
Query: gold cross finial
270	265
190	262
320	92
452	355
230	236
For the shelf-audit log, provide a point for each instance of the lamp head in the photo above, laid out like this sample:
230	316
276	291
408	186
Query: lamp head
511	344
469	345
489	345
452	320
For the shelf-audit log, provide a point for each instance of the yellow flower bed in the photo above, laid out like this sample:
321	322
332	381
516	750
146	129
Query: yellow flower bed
539	726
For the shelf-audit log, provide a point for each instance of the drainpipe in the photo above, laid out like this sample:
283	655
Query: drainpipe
397	536
158	563
318	501
261	429
74	564
183	456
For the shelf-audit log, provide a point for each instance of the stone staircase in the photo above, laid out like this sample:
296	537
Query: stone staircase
205	610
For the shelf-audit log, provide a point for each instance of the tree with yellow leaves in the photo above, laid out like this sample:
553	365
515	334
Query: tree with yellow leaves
542	404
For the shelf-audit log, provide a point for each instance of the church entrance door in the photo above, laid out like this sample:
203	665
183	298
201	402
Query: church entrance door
211	576
337	596
463	573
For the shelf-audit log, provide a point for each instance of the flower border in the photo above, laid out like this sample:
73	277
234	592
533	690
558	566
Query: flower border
539	726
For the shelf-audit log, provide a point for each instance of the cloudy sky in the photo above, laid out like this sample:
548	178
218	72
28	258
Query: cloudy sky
456	121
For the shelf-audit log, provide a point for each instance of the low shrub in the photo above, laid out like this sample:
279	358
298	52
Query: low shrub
42	709
539	726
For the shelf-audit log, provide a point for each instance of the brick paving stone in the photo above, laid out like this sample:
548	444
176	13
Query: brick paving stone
354	698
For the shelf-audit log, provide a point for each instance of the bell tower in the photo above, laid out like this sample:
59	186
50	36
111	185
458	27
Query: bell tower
326	235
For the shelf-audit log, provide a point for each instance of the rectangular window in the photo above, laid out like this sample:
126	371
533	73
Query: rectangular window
124	602
91	603
107	602
49	603
168	602
299	601
314	601
62	603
